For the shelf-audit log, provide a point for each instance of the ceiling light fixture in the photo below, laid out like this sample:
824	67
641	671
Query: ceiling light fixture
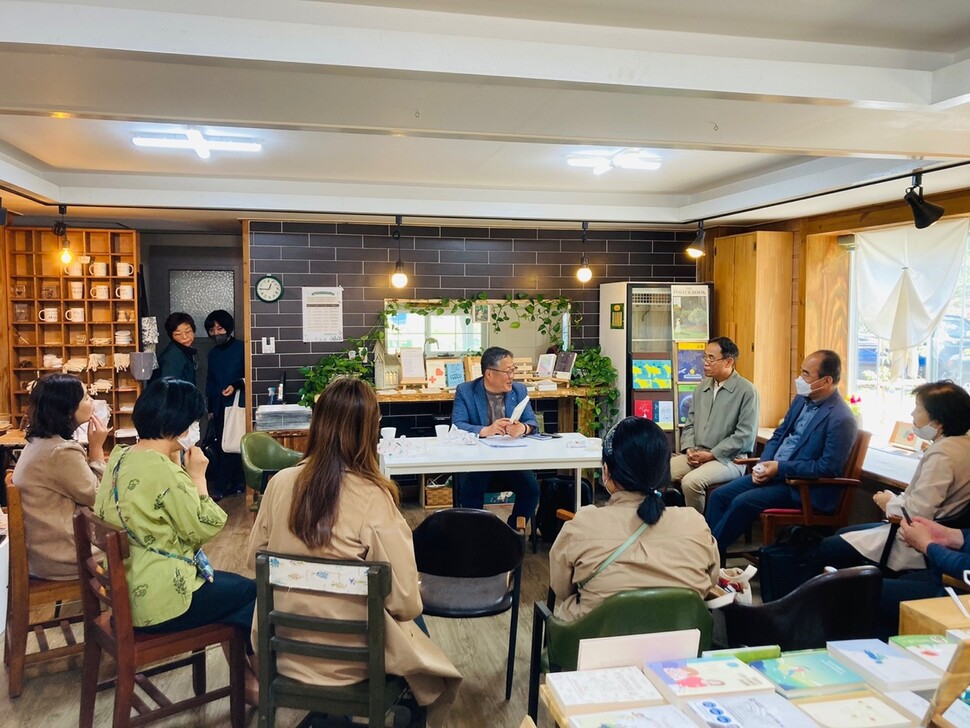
603	160
584	274
59	228
194	139
697	249
924	213
400	278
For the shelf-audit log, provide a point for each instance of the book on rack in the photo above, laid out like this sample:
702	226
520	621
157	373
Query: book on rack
806	673
746	654
659	716
594	691
885	667
563	368
657	410
748	711
701	677
934	650
545	366
859	710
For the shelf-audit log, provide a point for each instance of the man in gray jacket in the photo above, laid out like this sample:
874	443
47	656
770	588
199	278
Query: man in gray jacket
721	425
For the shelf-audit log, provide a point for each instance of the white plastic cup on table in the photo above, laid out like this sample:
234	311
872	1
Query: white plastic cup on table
388	433
442	431
594	443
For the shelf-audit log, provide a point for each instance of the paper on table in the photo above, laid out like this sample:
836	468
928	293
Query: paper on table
503	441
519	409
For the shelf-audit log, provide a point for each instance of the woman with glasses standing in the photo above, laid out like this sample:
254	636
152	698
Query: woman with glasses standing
484	406
179	359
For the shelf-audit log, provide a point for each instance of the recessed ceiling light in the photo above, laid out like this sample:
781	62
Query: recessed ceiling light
603	160
194	140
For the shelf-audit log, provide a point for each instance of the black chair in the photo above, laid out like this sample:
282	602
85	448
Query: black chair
470	564
495	485
371	581
839	605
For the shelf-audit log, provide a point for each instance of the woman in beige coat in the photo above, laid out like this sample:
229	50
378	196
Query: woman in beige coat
336	504
55	474
675	547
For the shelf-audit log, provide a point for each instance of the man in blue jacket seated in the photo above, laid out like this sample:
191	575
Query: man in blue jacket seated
484	406
813	441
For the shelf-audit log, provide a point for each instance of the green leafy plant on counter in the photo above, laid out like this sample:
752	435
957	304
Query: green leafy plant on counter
351	362
596	371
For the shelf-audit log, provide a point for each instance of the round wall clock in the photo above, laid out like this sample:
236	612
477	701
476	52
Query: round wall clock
269	289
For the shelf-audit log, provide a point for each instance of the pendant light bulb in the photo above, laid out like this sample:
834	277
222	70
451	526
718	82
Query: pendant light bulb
400	278
584	274
66	256
698	249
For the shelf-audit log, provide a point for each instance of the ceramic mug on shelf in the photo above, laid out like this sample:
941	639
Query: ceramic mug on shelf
75	270
48	315
84	259
124	269
74	315
125	292
100	292
76	290
98	269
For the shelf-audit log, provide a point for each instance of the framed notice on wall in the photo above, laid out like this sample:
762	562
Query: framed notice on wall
689	309
323	314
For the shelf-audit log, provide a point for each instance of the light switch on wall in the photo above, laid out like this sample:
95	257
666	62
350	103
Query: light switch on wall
269	345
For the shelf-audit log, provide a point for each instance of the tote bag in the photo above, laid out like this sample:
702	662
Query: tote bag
235	425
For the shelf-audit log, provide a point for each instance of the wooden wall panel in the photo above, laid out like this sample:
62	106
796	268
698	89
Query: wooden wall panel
826	272
6	404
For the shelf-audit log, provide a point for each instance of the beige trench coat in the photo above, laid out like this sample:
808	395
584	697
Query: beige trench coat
678	550
369	527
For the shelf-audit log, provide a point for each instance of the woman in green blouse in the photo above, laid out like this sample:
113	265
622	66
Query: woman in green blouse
168	515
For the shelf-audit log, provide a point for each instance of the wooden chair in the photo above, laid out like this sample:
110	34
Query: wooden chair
775	518
108	628
27	594
371	581
470	563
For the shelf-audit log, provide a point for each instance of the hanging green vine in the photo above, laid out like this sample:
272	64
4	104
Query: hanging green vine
596	371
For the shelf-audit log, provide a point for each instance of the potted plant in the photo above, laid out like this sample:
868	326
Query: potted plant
341	364
594	370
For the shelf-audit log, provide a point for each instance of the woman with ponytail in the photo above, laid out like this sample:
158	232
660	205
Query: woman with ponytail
634	541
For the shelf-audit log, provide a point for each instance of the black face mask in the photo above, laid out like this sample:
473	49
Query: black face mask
220	339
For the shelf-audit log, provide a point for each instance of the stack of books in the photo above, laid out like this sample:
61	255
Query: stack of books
283	417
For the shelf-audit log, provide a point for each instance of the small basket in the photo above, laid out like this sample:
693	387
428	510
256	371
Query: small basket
437	492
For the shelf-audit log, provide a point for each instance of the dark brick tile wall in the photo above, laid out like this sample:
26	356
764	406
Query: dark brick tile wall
448	261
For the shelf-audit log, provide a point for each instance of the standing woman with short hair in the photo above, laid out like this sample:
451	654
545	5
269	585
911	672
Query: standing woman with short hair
670	546
55	474
179	359
225	377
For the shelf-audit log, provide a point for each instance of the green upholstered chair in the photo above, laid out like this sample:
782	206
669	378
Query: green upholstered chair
368	581
641	611
263	457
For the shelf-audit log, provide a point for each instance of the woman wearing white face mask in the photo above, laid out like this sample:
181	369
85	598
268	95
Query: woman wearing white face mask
940	485
165	508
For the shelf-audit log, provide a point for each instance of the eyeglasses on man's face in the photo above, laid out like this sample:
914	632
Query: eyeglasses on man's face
710	359
507	372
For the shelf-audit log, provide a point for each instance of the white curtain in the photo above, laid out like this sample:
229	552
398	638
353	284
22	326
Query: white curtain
905	279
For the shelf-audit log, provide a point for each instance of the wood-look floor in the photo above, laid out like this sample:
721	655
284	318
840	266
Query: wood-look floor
477	647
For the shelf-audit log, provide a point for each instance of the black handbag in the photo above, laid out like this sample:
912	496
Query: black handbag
788	563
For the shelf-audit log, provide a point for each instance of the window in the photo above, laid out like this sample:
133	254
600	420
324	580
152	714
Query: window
887	394
444	334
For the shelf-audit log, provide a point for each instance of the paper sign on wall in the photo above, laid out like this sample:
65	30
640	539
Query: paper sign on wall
323	314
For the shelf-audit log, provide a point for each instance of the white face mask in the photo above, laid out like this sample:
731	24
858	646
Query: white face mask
802	387
927	431
191	436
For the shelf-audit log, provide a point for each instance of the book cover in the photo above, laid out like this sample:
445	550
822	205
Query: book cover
685	396
665	414
958	713
563	368
910	702
701	677
661	716
651	374
854	712
592	691
454	373
883	666
644	408
690	361
749	711
545	365
808	672
689	312
746	654
934	650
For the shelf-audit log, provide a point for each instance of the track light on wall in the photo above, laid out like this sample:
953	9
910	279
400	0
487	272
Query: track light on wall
400	278
697	249
59	228
924	213
584	274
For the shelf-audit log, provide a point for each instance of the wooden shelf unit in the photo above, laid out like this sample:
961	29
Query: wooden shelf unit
38	280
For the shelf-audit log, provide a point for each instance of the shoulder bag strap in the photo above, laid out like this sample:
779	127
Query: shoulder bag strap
614	556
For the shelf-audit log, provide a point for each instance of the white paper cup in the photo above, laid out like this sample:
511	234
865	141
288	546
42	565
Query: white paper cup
594	443
442	430
388	433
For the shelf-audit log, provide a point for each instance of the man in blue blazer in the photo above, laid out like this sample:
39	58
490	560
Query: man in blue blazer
484	406
813	441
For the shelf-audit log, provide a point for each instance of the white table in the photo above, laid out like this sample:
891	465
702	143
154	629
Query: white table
432	455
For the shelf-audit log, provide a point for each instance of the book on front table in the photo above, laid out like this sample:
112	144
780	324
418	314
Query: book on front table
748	711
659	716
701	677
854	711
592	691
806	673
934	650
909	702
958	713
746	654
885	667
